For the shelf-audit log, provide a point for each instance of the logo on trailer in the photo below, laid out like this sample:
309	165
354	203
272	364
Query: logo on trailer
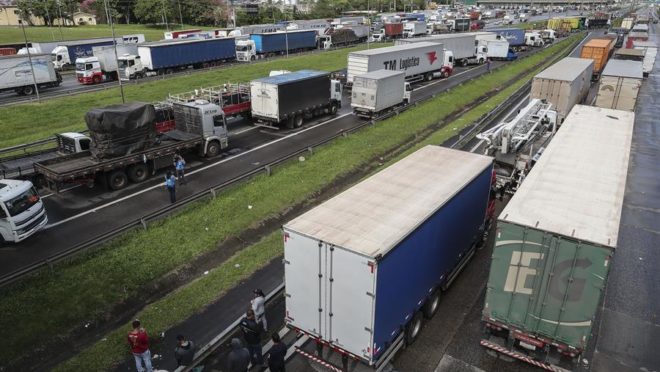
432	57
520	272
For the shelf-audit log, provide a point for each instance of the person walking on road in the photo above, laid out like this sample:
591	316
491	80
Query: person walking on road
252	333
184	351
259	307
170	184
488	65
239	357
139	342
276	354
179	166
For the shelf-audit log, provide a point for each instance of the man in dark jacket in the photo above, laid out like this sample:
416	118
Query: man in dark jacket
184	351
239	357
252	333
276	354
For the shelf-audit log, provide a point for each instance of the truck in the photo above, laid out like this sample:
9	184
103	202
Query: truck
102	66
22	212
515	37
272	43
650	53
458	24
600	51
66	53
499	50
16	73
555	243
419	61
534	39
436	28
182	34
126	148
619	85
7	51
564	84
636	36
289	99
465	48
166	57
414	28
628	23
548	36
378	91
345	260
346	35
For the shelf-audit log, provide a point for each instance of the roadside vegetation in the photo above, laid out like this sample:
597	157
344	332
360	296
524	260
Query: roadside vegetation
86	288
34	121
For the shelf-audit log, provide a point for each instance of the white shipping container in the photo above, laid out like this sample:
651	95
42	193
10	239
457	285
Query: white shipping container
497	48
15	70
651	49
462	45
413	59
378	90
106	54
564	84
619	85
414	28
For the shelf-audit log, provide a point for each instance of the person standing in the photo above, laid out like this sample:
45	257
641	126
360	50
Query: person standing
179	166
276	354
259	308
170	184
252	333
184	351
239	357
488	65
139	342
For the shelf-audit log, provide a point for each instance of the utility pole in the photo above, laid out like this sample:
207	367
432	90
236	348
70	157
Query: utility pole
114	43
59	9
34	77
180	16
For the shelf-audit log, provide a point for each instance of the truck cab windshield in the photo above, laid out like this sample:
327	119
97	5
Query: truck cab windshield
241	48
22	202
83	66
123	63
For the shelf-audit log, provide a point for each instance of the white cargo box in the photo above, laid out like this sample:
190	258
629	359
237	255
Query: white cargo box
462	45
378	90
15	70
619	85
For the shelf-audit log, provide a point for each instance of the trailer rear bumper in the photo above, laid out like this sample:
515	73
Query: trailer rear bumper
524	358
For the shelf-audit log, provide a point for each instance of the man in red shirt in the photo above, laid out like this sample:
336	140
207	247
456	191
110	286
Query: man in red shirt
139	342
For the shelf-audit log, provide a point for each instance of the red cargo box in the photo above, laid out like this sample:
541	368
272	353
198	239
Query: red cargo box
7	51
393	29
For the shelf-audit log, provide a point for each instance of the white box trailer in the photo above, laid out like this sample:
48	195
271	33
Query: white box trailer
564	84
651	49
414	28
379	90
16	73
418	61
619	85
106	54
463	46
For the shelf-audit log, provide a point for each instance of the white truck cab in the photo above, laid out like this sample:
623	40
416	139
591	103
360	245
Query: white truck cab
534	39
60	57
22	212
130	67
209	119
72	142
246	50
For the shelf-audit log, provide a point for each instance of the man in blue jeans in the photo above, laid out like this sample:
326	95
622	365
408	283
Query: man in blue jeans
170	184
252	333
180	165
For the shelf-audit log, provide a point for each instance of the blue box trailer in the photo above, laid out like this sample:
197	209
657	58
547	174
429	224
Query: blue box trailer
364	268
275	42
515	36
172	54
85	50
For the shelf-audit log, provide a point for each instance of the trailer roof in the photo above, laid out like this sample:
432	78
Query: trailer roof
375	215
624	68
291	76
630	52
394	48
568	69
599	43
183	41
576	189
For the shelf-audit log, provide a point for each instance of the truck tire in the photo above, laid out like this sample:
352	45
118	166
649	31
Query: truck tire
445	74
138	173
413	328
289	123
213	149
117	180
28	90
431	305
333	109
298	121
428	76
253	58
97	79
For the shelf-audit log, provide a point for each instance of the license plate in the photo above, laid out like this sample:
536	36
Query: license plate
527	346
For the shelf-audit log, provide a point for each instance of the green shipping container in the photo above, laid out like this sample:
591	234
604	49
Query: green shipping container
558	233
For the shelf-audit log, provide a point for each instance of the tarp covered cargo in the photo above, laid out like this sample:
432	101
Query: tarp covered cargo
119	130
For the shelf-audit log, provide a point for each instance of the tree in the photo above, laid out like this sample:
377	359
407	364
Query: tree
155	11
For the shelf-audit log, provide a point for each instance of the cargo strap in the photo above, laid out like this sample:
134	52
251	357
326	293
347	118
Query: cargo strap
318	360
513	354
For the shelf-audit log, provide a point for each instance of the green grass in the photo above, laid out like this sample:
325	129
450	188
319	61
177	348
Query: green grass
86	288
14	34
30	122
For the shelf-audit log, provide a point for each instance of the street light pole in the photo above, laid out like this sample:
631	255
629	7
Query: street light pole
180	15
114	43
34	77
59	24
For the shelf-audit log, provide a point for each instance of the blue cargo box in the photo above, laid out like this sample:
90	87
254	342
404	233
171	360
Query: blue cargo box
84	50
169	54
274	42
515	36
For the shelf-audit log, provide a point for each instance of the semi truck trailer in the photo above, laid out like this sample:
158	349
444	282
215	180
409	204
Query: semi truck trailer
600	51
165	57
102	66
16	73
419	61
379	91
66	53
515	37
465	47
346	35
364	269
263	45
290	99
619	85
556	240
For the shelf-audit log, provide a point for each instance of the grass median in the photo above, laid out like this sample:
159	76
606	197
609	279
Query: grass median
34	121
87	287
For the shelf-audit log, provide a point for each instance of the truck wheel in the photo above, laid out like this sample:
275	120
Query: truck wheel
117	180
431	305
28	90
138	173
445	74
253	58
333	109
289	123
413	328
481	61
298	121
428	77
97	79
213	149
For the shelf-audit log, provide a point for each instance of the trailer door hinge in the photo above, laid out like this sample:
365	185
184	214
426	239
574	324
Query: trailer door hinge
370	294
367	329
